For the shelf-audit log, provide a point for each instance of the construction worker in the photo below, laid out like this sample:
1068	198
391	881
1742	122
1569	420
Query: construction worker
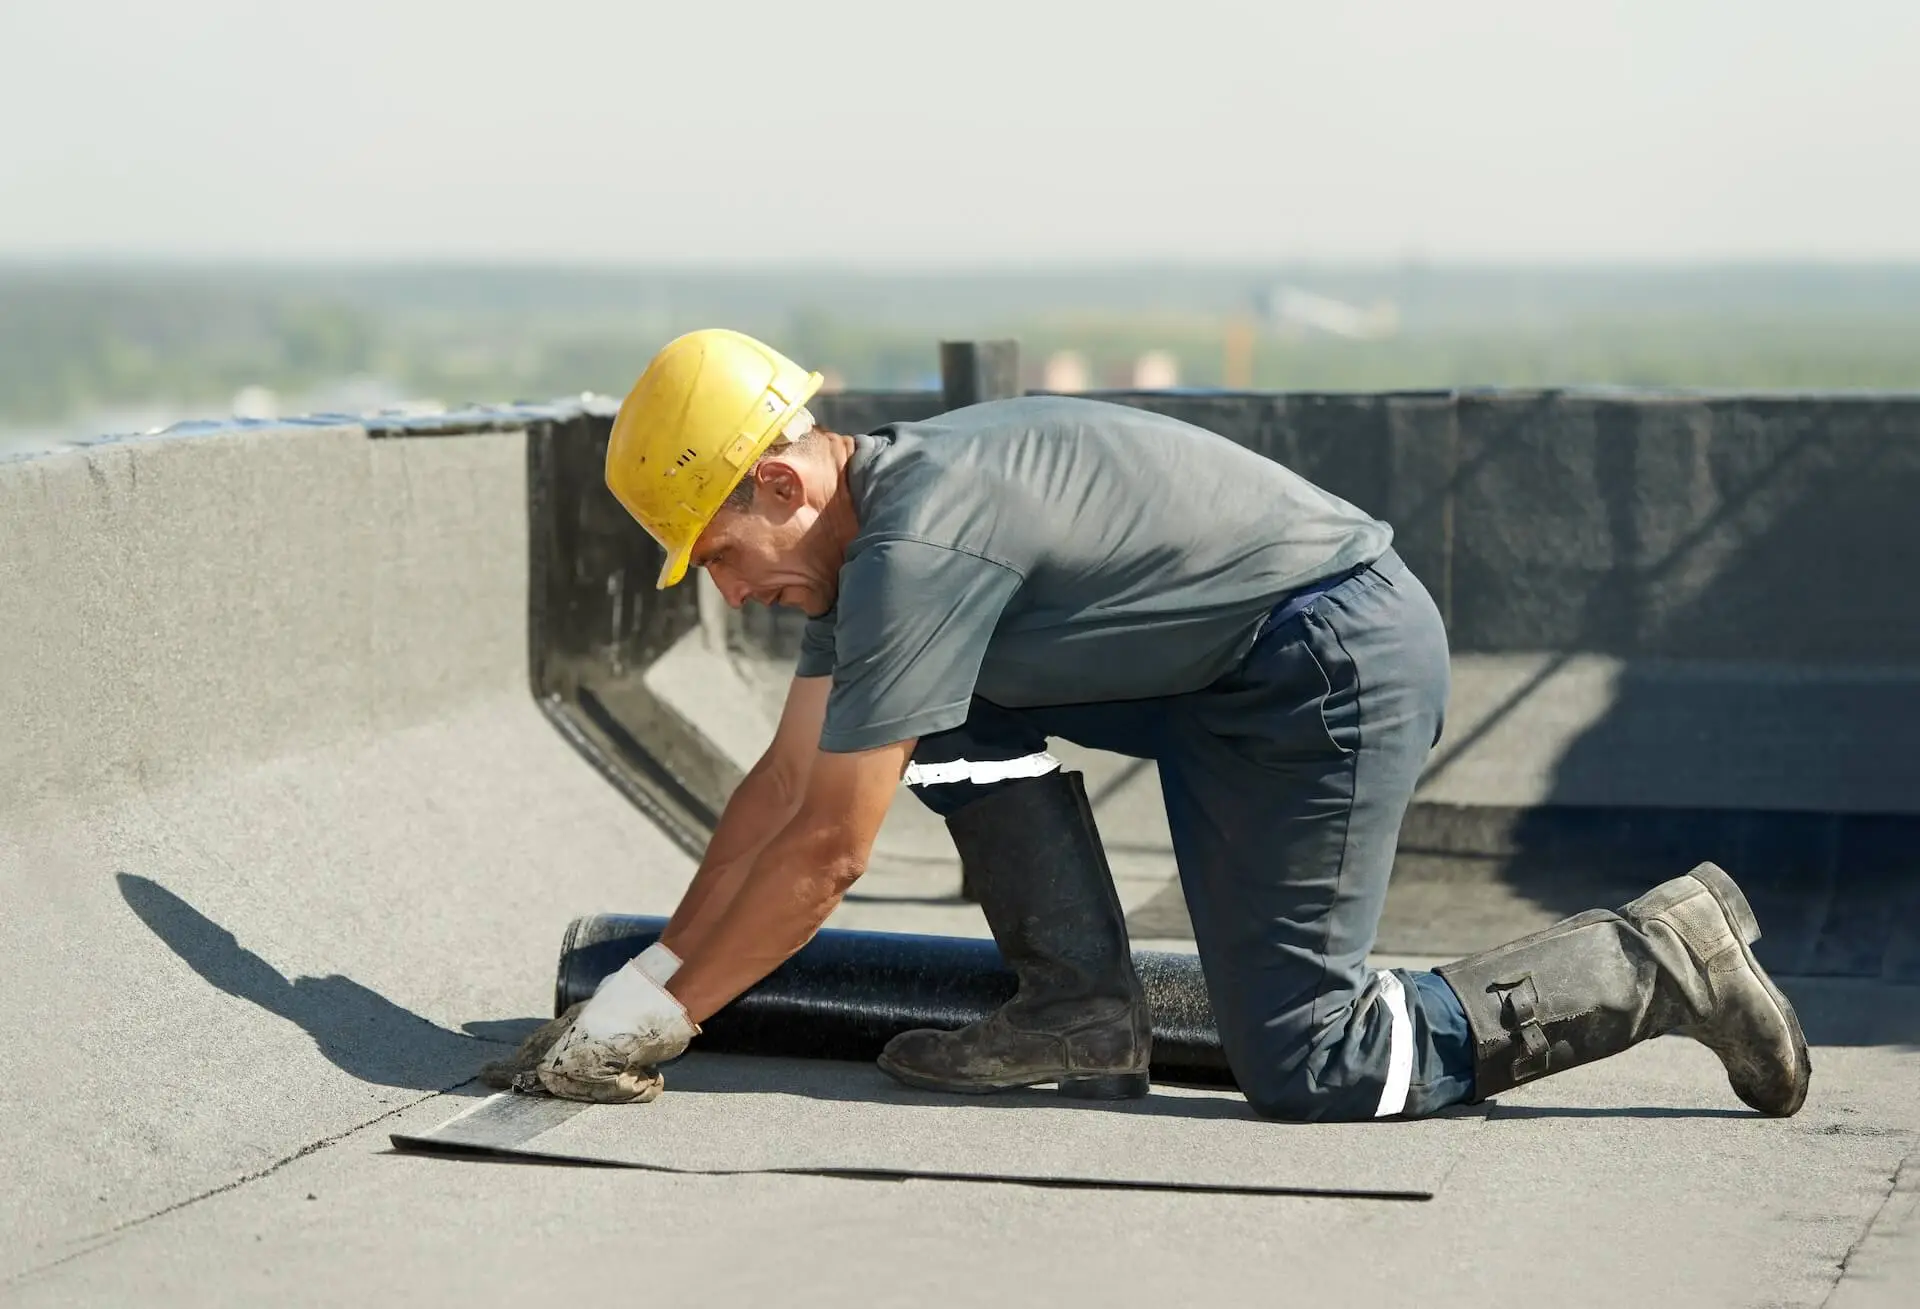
1055	567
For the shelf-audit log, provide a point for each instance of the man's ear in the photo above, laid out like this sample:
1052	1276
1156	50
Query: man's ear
781	480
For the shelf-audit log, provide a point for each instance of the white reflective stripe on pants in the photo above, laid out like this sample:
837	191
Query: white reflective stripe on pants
1393	1096
982	773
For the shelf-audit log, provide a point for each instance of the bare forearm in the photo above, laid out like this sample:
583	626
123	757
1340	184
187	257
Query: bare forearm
791	888
760	806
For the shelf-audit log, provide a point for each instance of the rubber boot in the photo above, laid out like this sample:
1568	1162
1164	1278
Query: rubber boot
1678	959
1080	1016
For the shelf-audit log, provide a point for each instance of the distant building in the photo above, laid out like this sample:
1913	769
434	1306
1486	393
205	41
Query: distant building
1156	370
1065	371
1293	309
256	402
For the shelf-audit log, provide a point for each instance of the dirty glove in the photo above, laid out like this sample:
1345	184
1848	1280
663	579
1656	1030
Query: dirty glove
631	1024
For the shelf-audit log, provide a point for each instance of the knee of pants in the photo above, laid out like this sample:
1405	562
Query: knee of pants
1296	1098
1272	1067
1301	1079
1289	1097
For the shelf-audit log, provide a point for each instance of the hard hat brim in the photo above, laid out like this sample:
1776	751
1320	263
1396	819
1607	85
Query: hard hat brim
674	569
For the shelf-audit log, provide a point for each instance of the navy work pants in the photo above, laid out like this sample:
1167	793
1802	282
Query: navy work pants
1285	784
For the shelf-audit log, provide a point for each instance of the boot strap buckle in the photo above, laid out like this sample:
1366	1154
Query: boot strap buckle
1520	1010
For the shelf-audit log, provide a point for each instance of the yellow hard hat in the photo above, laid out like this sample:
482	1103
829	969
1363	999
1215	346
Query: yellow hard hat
709	404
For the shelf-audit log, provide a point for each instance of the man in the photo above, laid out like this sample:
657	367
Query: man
1054	567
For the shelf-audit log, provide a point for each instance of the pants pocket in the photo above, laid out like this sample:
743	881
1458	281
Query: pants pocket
1338	705
1294	705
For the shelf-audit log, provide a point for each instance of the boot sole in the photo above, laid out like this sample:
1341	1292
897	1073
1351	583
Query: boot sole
1078	1086
1733	902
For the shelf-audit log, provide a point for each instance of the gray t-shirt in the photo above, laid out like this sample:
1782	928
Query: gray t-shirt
1050	550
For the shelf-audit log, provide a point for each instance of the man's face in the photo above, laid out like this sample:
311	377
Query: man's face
766	553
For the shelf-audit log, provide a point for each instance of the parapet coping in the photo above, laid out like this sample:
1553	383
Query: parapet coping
404	421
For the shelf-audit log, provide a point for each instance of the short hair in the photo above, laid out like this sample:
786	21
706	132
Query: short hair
797	434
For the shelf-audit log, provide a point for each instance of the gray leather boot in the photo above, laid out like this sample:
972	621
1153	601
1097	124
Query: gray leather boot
1675	960
1080	1017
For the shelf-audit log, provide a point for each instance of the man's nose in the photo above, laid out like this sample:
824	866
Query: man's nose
732	590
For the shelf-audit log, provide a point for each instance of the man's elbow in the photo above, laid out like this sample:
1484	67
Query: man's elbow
840	867
834	862
785	780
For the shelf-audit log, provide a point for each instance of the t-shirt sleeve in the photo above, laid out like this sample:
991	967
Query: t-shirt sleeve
913	625
816	647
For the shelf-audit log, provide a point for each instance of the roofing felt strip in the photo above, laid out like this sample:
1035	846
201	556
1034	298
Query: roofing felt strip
725	1114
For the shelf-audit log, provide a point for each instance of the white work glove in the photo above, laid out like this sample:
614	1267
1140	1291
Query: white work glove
631	1024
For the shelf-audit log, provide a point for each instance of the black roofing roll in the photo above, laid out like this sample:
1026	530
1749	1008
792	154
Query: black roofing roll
846	994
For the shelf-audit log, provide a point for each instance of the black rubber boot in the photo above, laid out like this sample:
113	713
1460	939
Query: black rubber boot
1080	1017
1675	960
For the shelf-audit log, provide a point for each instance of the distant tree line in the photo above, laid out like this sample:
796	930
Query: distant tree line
75	340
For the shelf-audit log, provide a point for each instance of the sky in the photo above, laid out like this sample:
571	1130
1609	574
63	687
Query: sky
894	133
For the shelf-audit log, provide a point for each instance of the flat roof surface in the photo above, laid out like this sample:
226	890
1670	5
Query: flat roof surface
284	862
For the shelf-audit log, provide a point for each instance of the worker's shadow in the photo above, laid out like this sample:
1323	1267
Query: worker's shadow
363	1033
862	1083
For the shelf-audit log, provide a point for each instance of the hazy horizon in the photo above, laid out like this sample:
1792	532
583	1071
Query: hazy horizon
934	267
865	136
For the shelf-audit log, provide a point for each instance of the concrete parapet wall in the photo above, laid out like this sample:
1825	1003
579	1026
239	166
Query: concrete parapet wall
168	602
285	843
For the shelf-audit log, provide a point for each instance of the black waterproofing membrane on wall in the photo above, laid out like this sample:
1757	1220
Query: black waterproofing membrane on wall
1496	499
